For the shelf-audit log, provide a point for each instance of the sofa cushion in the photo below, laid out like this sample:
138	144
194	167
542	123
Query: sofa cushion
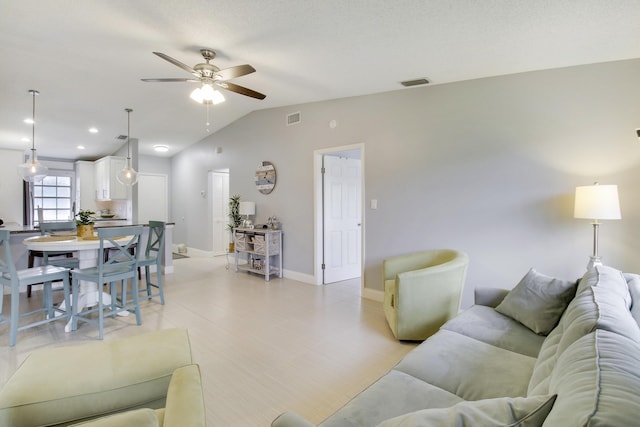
633	281
143	417
603	304
538	301
112	376
597	381
487	325
394	394
468	368
613	279
499	412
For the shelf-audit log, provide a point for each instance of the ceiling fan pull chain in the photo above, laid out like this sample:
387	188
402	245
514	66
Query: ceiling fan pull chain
208	131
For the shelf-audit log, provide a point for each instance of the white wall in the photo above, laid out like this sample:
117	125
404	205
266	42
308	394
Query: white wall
485	166
10	186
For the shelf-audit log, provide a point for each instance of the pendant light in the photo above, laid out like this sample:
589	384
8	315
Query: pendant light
32	170
128	175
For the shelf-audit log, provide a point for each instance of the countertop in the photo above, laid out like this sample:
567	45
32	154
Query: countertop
16	228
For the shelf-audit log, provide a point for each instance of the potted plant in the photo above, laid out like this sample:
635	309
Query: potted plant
235	220
84	223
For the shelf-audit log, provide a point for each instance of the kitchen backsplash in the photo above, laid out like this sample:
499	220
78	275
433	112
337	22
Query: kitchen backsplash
117	207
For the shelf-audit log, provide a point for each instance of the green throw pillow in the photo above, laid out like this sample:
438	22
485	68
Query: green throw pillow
538	301
498	412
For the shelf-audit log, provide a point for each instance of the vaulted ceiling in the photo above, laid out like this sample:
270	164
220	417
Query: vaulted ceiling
87	57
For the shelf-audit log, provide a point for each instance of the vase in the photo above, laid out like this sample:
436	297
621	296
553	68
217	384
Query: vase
85	231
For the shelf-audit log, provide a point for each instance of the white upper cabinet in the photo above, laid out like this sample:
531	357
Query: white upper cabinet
107	185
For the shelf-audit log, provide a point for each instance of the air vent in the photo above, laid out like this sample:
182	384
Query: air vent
417	82
293	118
121	137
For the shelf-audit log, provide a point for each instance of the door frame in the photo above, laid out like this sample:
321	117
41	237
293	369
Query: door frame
318	209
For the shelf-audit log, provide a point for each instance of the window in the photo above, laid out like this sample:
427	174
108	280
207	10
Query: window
53	194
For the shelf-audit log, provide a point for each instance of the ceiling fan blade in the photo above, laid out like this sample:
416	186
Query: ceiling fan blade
178	63
171	80
241	90
237	71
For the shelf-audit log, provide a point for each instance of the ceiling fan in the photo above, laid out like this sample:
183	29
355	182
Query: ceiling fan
210	76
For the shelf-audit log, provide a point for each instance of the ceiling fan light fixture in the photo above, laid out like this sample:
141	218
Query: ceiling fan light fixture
207	95
196	95
32	170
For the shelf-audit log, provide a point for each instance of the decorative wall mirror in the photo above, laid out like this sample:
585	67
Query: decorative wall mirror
266	177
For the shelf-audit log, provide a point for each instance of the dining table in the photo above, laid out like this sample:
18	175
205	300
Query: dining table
86	250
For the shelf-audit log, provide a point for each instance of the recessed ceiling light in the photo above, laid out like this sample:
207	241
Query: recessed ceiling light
28	121
80	147
161	148
93	130
25	139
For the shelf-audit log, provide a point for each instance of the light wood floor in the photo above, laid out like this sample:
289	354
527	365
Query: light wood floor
263	348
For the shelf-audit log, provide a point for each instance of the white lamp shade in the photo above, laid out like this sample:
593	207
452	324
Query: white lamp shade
597	202
247	208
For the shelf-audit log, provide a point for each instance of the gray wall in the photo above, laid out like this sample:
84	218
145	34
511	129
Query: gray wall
486	166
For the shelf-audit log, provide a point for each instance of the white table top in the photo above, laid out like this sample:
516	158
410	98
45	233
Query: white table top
62	242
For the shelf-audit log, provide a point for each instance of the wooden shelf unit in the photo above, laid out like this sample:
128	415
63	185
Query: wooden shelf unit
262	249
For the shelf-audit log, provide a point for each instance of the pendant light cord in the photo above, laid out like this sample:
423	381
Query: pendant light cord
128	110
33	119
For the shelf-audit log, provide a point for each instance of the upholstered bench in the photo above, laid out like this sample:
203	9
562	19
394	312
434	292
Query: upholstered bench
145	380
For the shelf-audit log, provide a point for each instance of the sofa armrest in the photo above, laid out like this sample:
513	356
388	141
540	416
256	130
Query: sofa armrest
490	297
290	419
185	401
94	379
144	417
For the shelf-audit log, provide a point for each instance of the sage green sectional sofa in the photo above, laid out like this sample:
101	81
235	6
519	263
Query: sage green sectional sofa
548	353
147	380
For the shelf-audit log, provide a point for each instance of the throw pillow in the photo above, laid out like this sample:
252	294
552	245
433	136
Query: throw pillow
538	301
500	412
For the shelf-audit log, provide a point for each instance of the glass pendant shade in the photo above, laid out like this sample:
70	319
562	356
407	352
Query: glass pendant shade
32	170
128	175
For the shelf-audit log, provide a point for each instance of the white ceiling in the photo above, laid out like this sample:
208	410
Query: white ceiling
87	57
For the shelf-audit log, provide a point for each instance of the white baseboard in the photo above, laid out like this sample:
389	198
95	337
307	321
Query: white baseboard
300	277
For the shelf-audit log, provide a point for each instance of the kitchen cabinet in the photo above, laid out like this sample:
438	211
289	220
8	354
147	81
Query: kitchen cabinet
107	185
85	186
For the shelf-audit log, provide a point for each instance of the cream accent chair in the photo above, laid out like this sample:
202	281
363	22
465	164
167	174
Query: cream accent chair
422	291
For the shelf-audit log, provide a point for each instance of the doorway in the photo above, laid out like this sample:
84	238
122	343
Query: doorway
339	227
219	191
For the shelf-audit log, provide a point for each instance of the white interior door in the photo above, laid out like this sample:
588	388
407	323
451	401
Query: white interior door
342	218
220	211
152	198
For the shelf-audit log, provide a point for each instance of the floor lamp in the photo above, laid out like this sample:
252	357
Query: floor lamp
596	202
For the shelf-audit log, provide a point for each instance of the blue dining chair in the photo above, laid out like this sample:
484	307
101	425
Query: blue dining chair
120	267
153	255
57	258
14	279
